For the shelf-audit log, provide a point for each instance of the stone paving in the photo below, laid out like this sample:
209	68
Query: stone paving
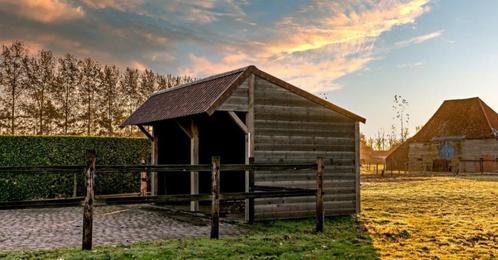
61	227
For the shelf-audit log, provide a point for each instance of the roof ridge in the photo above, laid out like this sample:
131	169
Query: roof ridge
483	110
213	77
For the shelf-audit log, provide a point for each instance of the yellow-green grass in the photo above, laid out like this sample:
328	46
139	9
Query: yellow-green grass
438	217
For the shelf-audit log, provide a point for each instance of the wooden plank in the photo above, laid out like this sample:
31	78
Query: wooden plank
145	132
215	203
239	122
194	160
249	146
154	161
88	206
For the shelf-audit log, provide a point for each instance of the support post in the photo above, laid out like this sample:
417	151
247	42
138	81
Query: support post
75	184
319	195
251	189
143	179
481	165
194	160
249	139
154	161
215	197
88	207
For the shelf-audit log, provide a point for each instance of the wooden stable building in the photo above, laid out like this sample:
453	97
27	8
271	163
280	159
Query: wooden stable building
248	113
462	136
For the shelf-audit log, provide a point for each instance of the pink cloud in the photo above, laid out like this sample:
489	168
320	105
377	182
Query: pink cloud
45	11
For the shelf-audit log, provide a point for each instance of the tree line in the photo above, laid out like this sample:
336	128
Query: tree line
45	94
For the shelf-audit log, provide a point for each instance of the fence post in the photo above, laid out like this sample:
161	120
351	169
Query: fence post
75	184
143	179
319	195
88	207
481	165
251	190
215	196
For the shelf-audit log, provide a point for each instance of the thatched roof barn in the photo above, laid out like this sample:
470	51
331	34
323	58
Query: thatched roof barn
461	136
248	113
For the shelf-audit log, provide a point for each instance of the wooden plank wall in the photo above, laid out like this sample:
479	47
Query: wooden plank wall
290	128
480	148
238	101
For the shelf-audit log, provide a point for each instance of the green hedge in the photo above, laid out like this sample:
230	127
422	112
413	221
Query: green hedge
67	150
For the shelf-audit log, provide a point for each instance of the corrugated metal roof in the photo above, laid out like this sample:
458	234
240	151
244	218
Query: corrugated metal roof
204	96
184	100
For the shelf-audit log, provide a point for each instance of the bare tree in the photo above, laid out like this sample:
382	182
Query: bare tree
40	71
65	93
90	83
400	106
13	82
110	101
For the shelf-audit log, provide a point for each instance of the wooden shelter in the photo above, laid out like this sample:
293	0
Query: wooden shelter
248	113
462	136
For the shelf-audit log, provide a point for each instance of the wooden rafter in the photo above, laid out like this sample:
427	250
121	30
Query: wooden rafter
238	121
146	133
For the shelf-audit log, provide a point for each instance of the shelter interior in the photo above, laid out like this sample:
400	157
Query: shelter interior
218	135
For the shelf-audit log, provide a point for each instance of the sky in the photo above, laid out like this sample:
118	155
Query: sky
356	54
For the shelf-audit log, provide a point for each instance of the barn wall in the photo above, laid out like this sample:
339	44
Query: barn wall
290	128
422	155
238	100
480	148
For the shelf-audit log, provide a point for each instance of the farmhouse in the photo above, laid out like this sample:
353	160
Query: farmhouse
461	136
248	113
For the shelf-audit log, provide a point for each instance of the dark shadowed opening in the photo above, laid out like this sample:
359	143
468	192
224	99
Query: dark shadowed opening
219	135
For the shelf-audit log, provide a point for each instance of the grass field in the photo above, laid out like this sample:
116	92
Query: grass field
413	218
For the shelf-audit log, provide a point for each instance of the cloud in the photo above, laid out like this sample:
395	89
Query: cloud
311	44
323	42
418	39
45	11
410	65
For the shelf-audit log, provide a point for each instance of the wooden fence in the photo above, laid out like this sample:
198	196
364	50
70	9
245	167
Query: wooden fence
215	168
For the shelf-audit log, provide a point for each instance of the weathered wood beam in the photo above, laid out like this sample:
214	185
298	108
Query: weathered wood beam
239	122
186	130
146	133
249	206
215	198
194	160
154	161
88	206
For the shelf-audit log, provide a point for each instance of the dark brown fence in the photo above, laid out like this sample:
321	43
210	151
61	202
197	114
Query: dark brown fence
215	168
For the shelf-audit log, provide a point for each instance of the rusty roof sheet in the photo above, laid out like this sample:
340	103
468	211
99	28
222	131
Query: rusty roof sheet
184	100
469	118
204	96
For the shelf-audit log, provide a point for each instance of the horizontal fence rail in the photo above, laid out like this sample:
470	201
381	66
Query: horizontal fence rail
156	168
89	200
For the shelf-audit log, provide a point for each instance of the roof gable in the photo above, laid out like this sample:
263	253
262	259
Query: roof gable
208	94
467	118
